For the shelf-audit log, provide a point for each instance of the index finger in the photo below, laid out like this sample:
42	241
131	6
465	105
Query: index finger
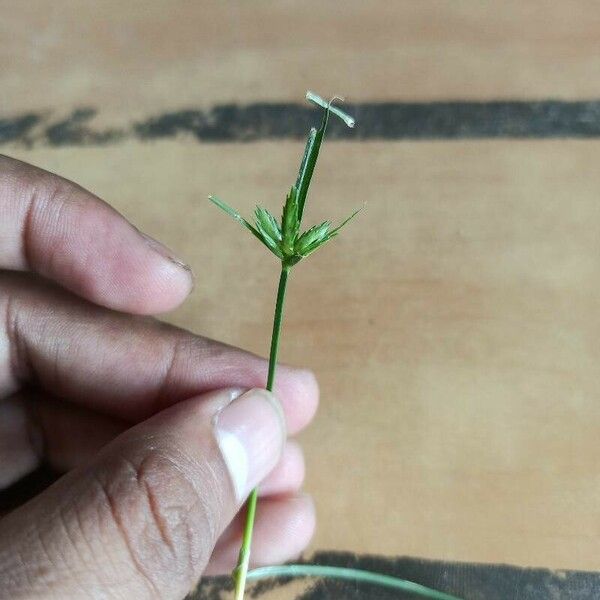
123	366
53	227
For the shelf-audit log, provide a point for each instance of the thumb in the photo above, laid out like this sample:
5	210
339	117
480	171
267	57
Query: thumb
141	521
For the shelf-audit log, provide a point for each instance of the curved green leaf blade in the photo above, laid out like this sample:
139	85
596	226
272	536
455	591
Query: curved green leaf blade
313	145
355	575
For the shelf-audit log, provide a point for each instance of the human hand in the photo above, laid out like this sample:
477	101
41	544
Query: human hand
160	441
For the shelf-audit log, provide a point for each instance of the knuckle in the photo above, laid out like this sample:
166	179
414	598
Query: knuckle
161	518
46	196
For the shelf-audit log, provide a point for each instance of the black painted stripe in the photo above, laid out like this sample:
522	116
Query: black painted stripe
273	121
469	581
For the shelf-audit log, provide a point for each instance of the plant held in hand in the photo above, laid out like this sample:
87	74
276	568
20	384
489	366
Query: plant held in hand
290	246
285	241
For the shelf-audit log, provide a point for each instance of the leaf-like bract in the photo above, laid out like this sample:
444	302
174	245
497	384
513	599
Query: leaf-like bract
313	145
236	215
307	167
343	223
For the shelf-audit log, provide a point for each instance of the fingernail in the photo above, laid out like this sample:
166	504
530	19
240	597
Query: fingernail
165	252
250	433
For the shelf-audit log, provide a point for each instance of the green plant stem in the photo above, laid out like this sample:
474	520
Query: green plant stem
277	319
350	575
241	570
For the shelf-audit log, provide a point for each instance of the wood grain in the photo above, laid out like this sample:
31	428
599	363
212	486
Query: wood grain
138	56
454	326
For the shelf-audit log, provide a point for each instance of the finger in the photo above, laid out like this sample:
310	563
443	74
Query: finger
62	435
70	435
36	429
126	367
20	447
55	228
288	475
282	531
142	519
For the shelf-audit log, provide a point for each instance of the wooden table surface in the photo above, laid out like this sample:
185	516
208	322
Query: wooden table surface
454	326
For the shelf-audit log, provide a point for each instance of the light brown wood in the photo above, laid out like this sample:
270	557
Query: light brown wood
454	326
132	57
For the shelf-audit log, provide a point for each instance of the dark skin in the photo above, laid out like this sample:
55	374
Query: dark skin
125	406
